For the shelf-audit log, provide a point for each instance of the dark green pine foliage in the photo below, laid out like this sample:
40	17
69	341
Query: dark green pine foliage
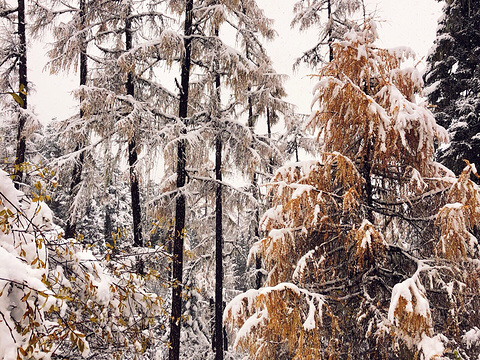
453	80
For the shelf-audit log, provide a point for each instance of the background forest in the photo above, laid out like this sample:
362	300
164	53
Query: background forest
167	219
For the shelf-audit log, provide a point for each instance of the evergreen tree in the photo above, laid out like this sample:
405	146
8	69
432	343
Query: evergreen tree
453	79
367	248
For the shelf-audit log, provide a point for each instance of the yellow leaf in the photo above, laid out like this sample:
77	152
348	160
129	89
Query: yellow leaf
22	90
25	297
17	98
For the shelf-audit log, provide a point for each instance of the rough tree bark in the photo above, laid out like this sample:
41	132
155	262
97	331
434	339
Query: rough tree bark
218	252
218	235
330	37
178	238
132	148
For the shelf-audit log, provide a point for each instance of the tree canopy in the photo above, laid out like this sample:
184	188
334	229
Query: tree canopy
369	247
453	81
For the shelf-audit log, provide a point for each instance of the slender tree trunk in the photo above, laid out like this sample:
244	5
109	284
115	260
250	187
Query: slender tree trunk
23	88
256	234
269	135
330	39
71	226
218	252
250	119
218	233
270	161
256	195
366	170
297	159
178	237
132	150
269	125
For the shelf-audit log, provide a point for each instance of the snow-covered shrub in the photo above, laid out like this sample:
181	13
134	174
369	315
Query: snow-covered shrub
56	298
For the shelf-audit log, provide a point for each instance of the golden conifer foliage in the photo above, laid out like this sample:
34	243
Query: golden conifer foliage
375	227
369	244
459	217
409	311
369	100
265	318
305	199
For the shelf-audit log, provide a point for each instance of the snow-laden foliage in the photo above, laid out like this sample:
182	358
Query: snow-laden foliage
453	81
226	77
375	227
58	299
333	17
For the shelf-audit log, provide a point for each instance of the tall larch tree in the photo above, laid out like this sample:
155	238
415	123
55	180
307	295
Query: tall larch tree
22	91
453	80
14	83
72	26
369	249
333	17
122	104
71	226
219	273
132	141
264	104
211	130
180	203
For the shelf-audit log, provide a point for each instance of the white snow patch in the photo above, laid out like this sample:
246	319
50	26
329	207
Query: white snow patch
431	346
409	289
472	337
302	263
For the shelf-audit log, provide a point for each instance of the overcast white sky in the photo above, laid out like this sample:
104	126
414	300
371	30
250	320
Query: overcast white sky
404	23
409	23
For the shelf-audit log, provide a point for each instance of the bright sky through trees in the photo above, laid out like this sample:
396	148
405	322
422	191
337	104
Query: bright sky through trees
402	23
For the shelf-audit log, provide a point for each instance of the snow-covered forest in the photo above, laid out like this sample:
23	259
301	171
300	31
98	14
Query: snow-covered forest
187	210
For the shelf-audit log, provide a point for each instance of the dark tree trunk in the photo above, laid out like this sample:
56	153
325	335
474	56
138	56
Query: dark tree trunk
218	235
366	169
269	125
251	119
108	226
23	85
330	39
269	134
71	226
218	253
178	238
297	159
132	150
256	234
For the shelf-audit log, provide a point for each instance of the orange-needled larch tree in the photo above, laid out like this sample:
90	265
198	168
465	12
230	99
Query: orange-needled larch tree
369	249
